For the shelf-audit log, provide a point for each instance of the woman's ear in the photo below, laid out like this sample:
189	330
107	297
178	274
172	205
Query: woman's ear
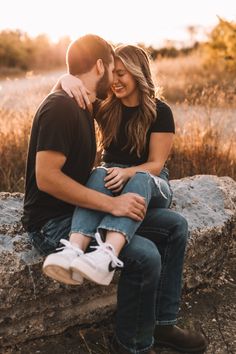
100	67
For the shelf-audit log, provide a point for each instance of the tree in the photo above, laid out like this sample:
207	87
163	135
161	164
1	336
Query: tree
221	46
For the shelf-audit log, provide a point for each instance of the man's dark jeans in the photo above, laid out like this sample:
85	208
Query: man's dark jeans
150	283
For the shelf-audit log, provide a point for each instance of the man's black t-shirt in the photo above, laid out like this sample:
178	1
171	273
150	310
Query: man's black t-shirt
59	125
116	152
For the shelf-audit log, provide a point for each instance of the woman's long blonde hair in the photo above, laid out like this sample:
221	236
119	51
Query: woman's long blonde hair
137	62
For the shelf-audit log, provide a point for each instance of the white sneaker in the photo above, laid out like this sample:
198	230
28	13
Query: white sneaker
57	265
98	266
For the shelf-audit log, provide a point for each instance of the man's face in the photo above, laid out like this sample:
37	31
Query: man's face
106	81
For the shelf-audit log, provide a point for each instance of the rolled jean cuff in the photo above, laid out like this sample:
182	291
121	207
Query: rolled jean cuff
101	228
136	351
83	232
166	322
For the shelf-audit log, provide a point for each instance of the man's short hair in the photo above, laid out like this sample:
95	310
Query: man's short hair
83	53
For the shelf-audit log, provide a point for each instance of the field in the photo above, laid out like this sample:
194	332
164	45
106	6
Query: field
203	102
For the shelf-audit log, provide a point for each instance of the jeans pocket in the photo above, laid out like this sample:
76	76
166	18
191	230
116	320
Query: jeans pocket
48	238
41	244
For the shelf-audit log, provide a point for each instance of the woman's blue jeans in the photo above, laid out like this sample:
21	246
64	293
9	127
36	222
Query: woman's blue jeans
150	283
155	190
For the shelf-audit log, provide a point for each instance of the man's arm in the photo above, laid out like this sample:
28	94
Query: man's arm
52	180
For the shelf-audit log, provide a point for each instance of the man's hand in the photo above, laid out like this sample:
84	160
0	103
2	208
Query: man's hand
130	205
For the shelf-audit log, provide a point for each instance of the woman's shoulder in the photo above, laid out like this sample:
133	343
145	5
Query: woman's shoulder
164	121
163	108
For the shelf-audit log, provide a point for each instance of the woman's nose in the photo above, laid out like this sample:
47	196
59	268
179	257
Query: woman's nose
115	78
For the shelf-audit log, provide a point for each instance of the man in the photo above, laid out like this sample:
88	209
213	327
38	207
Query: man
62	149
61	155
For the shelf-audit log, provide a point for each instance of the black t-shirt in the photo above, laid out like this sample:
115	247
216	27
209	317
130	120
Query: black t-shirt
116	153
59	125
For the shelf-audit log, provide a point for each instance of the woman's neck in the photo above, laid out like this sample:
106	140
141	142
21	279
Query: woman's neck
130	101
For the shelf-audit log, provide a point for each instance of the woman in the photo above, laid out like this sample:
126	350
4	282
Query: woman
137	131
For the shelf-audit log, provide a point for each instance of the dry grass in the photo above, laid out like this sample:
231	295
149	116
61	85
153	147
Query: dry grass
186	79
205	121
204	105
200	151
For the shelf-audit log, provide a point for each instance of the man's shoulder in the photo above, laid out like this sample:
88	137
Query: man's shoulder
61	105
58	99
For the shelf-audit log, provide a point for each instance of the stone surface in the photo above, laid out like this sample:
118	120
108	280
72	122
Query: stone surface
209	205
32	305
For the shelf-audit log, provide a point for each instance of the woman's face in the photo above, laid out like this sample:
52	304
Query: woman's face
124	85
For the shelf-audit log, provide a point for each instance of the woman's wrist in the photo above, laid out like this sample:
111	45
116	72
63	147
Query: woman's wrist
130	172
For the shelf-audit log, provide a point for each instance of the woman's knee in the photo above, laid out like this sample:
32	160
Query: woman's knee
96	179
142	176
98	172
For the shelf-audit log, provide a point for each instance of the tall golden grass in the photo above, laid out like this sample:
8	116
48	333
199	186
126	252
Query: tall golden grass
204	107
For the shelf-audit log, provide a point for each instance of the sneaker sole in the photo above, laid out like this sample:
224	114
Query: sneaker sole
60	274
89	273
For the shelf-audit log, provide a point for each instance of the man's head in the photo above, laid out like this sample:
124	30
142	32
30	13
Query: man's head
91	53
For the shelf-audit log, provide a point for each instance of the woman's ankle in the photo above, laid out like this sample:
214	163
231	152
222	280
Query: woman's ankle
79	240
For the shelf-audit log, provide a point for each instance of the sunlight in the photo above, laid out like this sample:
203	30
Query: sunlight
117	21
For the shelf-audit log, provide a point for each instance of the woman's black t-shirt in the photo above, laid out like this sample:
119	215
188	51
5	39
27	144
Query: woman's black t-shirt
116	152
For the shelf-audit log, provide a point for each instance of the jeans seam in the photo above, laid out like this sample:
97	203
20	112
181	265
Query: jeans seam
152	229
139	312
162	276
134	351
166	322
83	232
107	228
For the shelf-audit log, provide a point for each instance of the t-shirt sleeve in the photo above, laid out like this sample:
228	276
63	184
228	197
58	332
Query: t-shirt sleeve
55	126
164	122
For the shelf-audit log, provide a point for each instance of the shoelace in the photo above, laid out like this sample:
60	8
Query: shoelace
157	181
107	248
68	245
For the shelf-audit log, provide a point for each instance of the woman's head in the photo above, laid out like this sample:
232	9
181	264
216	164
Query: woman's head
132	86
132	77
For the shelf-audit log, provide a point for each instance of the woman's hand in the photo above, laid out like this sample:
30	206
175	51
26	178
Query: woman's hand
116	178
74	87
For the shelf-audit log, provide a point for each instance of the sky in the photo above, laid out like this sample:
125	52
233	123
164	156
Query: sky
125	21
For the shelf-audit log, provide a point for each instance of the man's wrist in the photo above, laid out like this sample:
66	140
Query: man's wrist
108	204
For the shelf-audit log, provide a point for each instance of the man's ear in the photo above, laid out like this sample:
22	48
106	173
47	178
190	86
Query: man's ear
100	67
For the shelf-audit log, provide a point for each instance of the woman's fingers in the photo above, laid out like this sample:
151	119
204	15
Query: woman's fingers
114	183
111	173
111	179
80	94
79	98
118	189
68	91
85	93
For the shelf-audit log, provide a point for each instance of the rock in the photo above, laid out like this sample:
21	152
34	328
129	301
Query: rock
209	205
32	305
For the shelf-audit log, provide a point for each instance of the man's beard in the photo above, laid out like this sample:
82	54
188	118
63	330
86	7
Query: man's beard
103	86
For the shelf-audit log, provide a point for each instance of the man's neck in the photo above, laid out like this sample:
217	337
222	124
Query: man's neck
89	82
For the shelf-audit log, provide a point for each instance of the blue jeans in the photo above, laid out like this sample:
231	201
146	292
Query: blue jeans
150	283
155	190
